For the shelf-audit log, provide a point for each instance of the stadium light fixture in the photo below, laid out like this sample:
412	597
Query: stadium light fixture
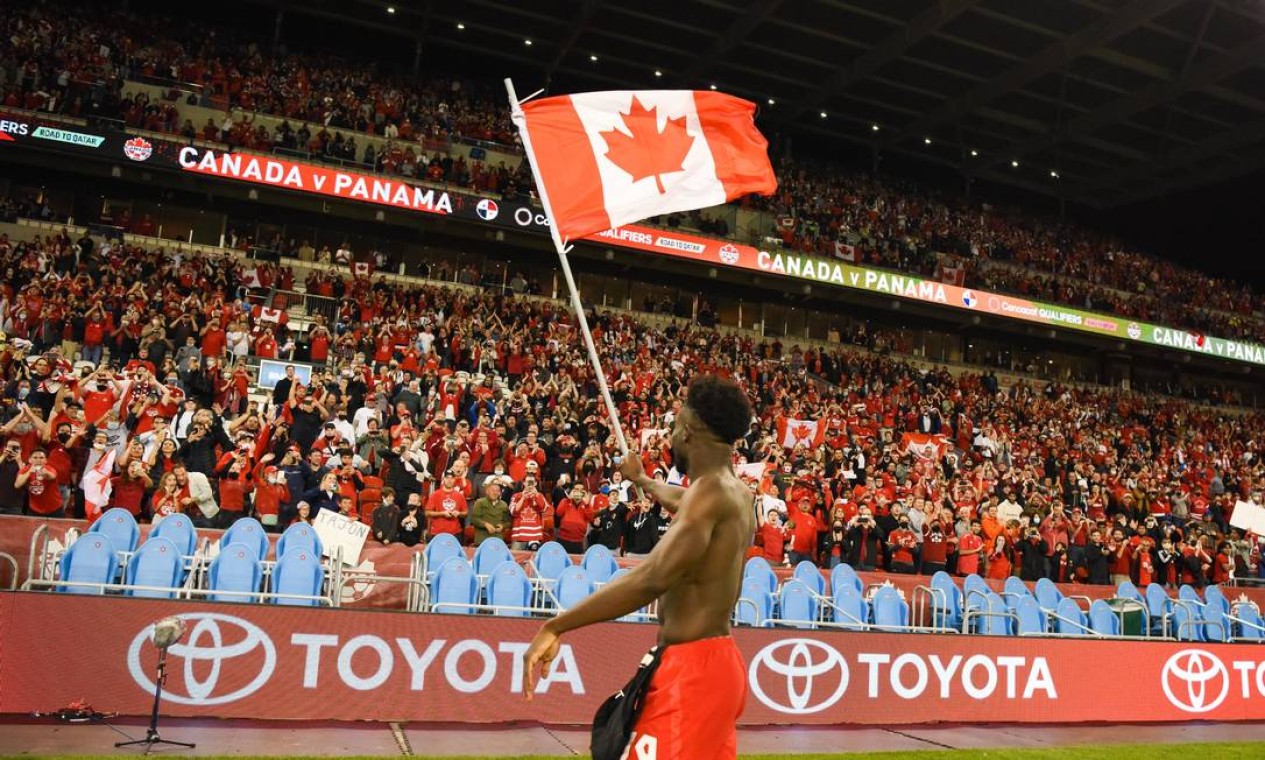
772	102
593	58
823	114
713	87
460	26
974	153
658	73
873	127
390	9
1054	174
527	42
1014	163
926	141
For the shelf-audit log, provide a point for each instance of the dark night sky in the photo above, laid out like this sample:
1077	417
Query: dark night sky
1217	228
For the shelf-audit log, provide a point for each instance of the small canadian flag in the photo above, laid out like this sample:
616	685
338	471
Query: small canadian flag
362	269
250	278
792	432
605	159
845	251
97	486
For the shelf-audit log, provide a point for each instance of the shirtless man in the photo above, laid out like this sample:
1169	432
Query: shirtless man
695	572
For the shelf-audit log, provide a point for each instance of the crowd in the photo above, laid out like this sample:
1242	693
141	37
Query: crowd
435	410
77	63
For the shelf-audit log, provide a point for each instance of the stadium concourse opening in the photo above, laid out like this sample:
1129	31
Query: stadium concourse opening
288	354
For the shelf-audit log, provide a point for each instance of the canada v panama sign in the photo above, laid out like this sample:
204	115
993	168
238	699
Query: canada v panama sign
262	661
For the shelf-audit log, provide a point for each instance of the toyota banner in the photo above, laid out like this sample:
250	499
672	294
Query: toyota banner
285	663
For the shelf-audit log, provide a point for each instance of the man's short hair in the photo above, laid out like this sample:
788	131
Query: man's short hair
721	405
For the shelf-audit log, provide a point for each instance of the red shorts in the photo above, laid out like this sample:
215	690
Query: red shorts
693	703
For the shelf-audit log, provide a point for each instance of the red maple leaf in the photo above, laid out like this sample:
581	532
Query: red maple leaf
646	151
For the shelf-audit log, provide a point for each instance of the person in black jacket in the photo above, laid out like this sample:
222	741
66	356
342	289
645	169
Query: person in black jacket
609	526
1098	559
866	541
199	450
324	496
1032	560
642	528
386	518
412	521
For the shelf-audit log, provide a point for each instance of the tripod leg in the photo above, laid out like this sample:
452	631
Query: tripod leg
151	735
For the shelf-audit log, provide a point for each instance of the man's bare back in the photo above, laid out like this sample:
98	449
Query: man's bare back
701	603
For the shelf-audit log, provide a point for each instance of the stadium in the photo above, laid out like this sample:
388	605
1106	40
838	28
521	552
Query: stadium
351	350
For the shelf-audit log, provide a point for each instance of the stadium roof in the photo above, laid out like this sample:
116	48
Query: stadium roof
1103	102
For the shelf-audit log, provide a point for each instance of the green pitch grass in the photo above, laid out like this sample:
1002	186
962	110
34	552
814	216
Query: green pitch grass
1236	751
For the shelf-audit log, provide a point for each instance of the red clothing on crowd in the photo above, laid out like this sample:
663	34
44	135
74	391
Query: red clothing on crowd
903	543
444	500
804	528
573	520
127	493
43	498
774	543
528	513
968	564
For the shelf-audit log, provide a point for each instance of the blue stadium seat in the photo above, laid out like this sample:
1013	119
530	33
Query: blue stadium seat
121	527
599	563
454	588
489	555
298	573
759	568
974	592
1015	587
1189	593
1032	619
156	563
1158	604
1216	607
508	587
574	585
91	559
850	610
1103	619
810	575
1126	590
797	605
300	535
549	562
439	549
1185	622
1048	595
1251	625
997	608
247	530
235	569
946	606
843	574
1071	619
891	613
755	603
178	529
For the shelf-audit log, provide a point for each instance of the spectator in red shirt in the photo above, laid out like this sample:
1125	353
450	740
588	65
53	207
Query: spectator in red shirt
528	510
43	499
574	515
937	542
128	490
970	550
804	528
773	535
446	508
904	546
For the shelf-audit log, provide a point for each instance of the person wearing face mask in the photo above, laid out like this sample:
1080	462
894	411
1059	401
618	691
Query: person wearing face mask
903	546
271	491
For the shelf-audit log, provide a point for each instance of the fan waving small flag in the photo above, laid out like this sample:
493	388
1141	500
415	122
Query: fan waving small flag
606	159
793	432
97	486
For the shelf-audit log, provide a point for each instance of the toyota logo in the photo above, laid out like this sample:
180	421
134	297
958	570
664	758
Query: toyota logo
207	643
796	665
1195	681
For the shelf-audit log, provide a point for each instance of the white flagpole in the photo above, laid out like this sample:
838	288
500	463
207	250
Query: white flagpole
516	112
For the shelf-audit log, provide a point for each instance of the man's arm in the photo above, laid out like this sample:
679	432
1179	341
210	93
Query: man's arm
673	558
668	496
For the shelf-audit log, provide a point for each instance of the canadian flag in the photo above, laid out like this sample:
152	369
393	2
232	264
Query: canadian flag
953	274
362	269
250	278
845	251
753	470
924	445
793	432
263	313
605	159
97	486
